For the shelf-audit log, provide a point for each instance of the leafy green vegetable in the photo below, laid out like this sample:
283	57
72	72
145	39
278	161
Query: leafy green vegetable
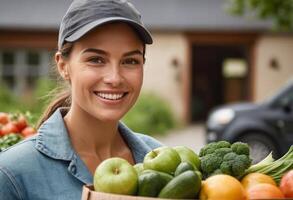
274	168
223	158
9	140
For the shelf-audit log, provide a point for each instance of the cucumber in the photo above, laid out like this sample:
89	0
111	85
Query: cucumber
182	167
165	176
151	182
184	186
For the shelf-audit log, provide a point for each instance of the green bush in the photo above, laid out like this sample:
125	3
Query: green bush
34	103
8	101
151	115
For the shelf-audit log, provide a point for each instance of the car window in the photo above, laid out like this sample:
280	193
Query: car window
286	99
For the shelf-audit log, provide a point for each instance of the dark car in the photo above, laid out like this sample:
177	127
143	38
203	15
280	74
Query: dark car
266	127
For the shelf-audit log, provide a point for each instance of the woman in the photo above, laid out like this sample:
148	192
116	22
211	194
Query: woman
101	50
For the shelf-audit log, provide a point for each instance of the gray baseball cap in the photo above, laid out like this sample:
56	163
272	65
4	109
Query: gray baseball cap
83	16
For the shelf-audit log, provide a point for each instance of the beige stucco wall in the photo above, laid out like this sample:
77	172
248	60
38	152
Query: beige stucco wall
267	79
161	76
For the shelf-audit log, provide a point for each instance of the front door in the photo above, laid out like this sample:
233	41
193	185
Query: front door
219	75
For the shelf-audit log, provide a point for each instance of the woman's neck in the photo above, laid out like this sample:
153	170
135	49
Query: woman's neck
91	136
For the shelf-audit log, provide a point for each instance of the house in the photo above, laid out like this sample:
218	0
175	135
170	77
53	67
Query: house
201	57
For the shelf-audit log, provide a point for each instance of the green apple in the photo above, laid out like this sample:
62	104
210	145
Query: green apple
188	155
139	168
164	159
116	175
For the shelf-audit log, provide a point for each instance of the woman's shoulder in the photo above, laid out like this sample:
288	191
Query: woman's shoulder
23	152
150	141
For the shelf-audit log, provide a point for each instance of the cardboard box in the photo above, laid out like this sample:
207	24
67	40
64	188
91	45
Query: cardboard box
88	193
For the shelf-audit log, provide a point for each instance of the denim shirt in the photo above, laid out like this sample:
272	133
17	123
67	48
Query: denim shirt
46	166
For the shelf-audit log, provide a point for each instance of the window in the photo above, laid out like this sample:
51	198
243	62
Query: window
8	62
8	58
7	68
33	61
21	68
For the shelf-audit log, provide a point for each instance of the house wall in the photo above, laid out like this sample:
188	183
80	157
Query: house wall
171	49
268	78
166	60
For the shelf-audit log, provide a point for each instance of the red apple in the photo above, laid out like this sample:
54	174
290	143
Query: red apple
286	184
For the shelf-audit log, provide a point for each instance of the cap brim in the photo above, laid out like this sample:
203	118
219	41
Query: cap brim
143	32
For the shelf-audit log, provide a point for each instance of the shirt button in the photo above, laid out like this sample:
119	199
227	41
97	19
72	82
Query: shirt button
73	169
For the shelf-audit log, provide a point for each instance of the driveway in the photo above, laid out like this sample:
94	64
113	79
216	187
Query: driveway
192	136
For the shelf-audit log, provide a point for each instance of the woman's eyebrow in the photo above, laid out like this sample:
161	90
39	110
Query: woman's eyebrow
99	51
93	50
131	53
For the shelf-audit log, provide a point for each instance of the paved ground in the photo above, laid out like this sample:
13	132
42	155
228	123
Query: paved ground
192	136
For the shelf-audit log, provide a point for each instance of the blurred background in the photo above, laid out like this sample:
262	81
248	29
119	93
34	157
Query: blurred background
206	54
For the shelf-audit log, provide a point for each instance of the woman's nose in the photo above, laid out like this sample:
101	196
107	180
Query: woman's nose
113	76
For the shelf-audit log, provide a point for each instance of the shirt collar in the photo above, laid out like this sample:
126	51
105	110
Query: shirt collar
53	139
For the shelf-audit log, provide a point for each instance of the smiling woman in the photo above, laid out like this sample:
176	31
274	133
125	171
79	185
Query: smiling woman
101	53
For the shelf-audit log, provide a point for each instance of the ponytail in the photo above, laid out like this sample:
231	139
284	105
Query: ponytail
63	97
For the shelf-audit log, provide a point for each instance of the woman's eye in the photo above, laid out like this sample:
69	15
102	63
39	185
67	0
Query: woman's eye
96	60
131	61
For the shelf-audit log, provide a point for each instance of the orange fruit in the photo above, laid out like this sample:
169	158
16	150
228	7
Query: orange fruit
222	187
256	178
264	191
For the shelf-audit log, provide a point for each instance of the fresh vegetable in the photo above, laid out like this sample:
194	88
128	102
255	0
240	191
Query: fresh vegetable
28	131
10	127
184	186
182	167
4	118
15	125
151	183
276	169
21	122
9	140
223	158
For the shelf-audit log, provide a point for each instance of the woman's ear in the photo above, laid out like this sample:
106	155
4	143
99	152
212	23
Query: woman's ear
62	66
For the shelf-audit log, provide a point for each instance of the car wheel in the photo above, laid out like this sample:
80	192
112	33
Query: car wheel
260	146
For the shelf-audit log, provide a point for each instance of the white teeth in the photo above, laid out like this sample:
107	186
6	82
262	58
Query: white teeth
110	96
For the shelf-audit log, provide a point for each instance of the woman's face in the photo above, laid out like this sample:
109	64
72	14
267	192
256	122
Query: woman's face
105	70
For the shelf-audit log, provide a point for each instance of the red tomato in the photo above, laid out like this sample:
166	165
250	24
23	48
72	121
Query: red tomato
28	131
21	122
286	184
9	128
4	118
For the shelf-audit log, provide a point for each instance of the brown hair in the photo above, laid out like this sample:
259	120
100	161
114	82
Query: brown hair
62	95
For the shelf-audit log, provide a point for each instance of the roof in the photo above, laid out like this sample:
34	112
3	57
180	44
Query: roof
157	14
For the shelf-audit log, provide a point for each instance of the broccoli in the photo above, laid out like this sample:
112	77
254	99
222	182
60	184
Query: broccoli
222	157
240	148
237	164
223	144
208	149
211	147
222	152
210	163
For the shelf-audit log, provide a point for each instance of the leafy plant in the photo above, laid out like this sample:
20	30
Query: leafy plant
151	115
31	105
279	11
